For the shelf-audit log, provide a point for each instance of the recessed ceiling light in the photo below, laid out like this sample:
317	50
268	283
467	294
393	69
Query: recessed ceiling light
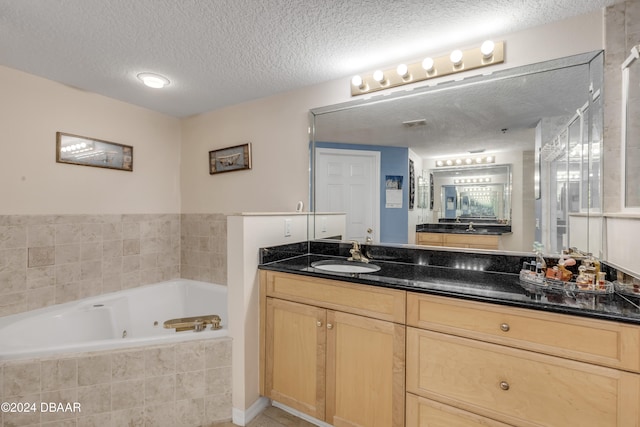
155	81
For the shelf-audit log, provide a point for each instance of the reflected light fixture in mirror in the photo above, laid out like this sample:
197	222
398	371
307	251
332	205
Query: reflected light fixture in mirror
490	53
465	161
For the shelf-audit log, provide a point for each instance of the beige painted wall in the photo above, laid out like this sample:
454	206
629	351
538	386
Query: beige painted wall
33	109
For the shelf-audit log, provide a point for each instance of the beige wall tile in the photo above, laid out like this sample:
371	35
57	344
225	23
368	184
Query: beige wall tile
59	397
38	277
190	412
12	237
127	365
68	233
59	374
217	407
190	385
100	420
131	246
95	398
218	380
42	256
218	353
41	235
21	378
160	361
190	356
66	292
91	251
159	389
127	394
11	419
112	249
94	370
41	297
67	273
160	415
68	253
129	417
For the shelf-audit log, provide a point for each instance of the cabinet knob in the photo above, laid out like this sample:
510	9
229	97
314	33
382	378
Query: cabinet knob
319	324
329	326
504	385
504	327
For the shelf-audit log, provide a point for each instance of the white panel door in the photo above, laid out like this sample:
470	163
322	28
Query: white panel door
349	181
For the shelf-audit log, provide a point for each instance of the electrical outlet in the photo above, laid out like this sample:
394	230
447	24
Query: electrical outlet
287	227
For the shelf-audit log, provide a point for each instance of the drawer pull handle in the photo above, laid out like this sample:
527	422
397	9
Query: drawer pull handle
319	324
504	327
329	326
504	385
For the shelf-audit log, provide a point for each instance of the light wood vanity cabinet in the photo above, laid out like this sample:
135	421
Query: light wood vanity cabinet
483	364
334	350
457	240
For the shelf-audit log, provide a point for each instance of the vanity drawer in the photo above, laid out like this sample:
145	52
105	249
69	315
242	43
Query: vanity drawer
370	301
423	412
433	239
519	387
588	340
472	241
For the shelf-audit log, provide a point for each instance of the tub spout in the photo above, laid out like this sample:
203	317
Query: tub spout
197	323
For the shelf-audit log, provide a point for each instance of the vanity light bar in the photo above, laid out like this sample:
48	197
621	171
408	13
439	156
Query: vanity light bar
480	180
469	161
489	53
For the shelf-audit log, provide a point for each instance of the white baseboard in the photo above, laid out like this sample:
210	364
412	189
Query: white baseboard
299	414
242	418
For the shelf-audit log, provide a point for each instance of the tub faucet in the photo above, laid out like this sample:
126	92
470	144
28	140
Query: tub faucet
356	254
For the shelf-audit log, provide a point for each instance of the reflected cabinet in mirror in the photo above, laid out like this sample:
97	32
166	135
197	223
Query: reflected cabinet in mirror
509	161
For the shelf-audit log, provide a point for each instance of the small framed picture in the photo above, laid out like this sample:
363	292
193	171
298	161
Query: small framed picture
83	151
230	159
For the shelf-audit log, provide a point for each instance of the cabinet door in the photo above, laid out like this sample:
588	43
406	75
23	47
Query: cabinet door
295	356
365	371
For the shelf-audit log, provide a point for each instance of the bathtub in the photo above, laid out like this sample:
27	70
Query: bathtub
121	319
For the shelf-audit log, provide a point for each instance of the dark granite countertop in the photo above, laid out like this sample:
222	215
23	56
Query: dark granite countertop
466	277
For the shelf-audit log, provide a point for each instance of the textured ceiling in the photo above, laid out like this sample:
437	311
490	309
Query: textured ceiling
221	52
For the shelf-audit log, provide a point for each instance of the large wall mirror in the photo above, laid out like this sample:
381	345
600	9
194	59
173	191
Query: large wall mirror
530	137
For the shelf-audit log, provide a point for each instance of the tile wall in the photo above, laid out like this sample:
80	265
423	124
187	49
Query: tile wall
183	384
51	259
203	254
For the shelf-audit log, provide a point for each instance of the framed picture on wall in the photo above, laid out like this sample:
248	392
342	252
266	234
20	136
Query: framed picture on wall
84	151
230	159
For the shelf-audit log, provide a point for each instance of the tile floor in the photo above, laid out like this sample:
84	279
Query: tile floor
273	417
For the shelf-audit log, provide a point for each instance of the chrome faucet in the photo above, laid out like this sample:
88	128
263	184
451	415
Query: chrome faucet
356	255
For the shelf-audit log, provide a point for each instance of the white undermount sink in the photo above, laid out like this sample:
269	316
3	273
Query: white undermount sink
339	266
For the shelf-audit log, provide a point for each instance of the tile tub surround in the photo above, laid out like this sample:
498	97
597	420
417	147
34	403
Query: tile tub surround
51	259
184	384
203	247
